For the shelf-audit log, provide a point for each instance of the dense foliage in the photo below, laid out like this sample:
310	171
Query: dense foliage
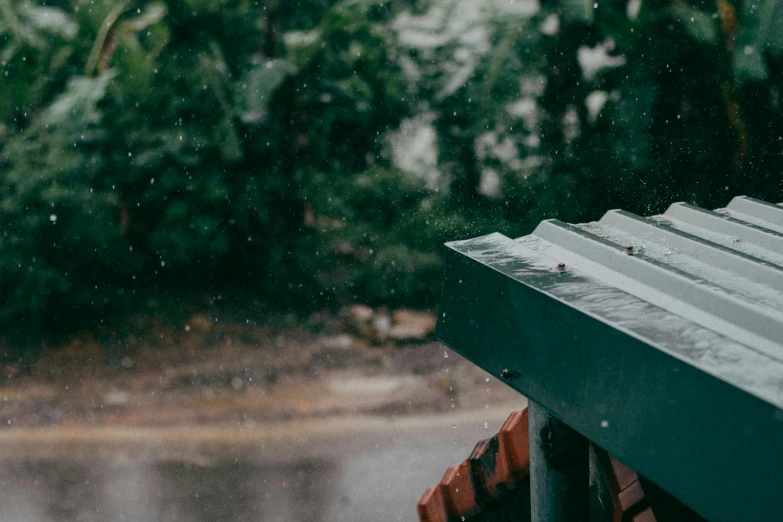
318	152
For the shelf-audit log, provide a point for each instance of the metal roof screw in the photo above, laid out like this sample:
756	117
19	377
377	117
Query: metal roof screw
561	266
628	250
508	375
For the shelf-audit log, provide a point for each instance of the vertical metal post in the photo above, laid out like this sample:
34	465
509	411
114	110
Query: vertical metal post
559	469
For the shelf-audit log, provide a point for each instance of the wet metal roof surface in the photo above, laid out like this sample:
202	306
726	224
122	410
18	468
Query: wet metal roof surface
667	329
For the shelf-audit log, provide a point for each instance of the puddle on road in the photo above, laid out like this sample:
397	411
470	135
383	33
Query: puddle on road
376	475
54	491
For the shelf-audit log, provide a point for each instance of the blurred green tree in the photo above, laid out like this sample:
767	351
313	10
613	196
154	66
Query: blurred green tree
154	149
316	153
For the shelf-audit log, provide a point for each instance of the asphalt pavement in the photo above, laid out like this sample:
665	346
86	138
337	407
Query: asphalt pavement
335	469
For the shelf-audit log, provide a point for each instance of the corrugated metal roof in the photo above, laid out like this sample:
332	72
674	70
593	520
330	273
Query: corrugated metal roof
689	304
721	270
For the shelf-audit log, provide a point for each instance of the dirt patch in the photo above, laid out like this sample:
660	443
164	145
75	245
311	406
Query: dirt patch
232	373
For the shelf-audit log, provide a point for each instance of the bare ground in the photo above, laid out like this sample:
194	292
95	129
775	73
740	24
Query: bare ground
223	374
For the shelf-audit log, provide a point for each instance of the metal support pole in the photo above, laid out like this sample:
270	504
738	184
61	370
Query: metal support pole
559	469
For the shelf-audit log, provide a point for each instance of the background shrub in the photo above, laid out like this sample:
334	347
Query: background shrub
316	153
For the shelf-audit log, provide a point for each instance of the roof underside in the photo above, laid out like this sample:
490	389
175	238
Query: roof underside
654	326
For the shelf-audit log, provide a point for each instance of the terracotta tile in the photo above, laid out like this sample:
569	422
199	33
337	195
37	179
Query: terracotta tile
645	516
458	491
625	475
492	469
432	506
630	496
514	442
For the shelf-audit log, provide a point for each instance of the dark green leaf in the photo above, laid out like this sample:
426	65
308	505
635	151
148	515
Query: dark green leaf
701	26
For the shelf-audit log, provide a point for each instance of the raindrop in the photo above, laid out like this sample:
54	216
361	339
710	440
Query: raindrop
53	218
445	354
486	425
604	424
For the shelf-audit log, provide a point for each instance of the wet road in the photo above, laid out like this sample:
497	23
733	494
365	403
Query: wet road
339	470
